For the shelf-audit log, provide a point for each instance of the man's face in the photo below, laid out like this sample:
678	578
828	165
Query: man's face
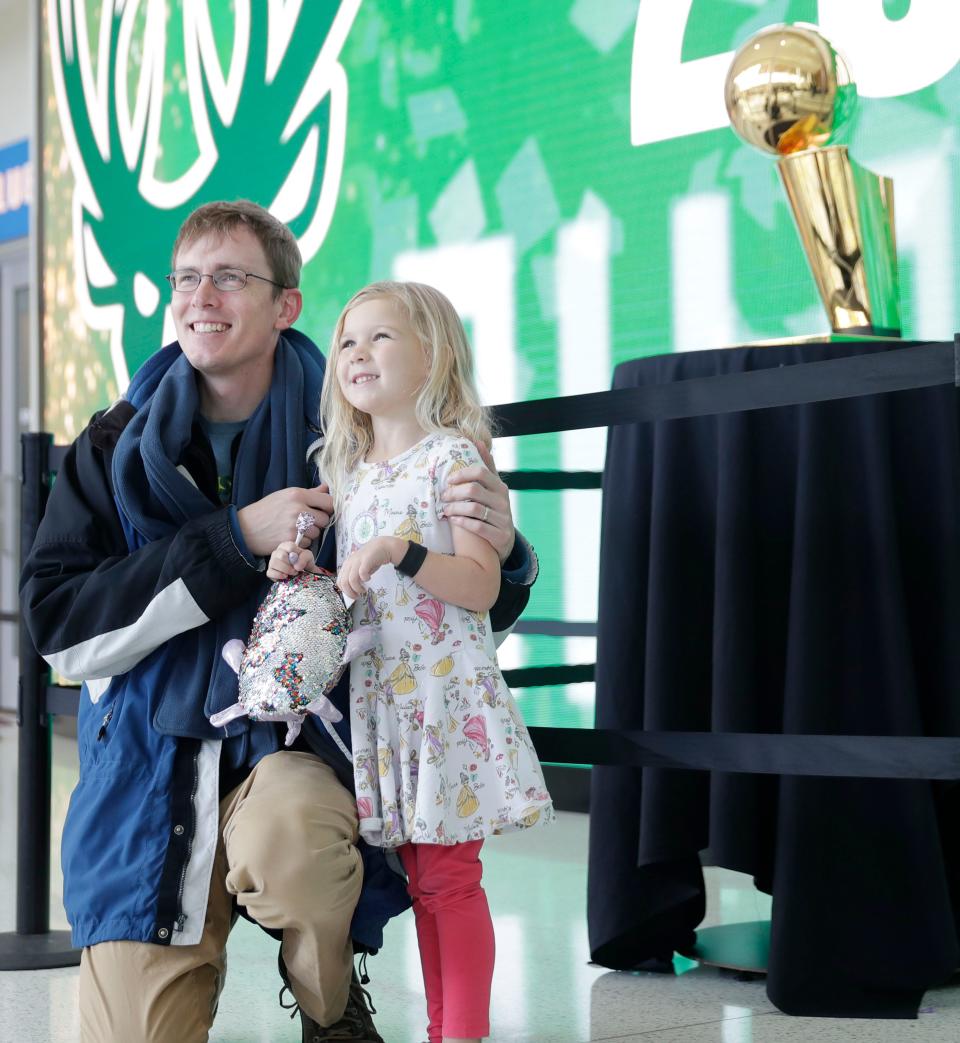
228	332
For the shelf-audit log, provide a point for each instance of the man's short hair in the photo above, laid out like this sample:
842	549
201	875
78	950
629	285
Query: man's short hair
222	217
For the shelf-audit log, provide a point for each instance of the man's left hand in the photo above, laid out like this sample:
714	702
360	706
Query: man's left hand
477	500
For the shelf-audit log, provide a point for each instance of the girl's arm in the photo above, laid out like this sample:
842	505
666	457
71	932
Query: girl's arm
470	577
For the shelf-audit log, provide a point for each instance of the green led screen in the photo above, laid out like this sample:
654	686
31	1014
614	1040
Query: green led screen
561	168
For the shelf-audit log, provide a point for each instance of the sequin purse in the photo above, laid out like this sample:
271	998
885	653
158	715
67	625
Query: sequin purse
300	643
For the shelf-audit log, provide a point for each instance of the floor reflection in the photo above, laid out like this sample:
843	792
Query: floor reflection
545	989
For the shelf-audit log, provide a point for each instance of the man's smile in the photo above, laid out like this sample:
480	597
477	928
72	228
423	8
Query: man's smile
209	327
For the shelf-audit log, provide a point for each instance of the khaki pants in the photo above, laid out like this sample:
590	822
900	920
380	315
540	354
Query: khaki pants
287	853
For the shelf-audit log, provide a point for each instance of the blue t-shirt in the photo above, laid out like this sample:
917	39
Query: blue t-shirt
221	435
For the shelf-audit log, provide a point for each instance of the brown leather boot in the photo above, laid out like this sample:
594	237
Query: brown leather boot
355	1026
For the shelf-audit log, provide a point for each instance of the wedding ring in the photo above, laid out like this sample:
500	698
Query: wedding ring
486	514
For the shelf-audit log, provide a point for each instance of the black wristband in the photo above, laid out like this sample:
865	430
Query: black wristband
412	561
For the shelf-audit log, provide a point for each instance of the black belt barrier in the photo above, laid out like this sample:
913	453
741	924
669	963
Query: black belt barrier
922	365
756	753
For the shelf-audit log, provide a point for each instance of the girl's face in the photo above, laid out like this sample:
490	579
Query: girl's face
381	364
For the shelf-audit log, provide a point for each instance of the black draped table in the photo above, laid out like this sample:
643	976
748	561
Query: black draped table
786	570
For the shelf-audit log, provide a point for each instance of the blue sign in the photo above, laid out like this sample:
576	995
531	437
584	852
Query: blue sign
16	188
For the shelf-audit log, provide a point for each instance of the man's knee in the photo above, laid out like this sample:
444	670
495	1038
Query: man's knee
291	841
289	849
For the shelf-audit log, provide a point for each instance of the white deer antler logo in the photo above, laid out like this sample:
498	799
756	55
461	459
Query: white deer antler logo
272	128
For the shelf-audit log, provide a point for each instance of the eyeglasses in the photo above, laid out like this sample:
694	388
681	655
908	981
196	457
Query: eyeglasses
186	280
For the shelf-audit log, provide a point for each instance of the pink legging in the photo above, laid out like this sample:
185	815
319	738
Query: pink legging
455	934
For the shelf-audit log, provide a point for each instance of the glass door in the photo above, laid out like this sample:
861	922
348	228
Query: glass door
15	417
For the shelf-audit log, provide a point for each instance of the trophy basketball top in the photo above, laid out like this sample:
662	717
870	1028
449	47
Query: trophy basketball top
788	90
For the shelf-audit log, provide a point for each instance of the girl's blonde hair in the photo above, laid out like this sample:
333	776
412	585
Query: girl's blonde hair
448	402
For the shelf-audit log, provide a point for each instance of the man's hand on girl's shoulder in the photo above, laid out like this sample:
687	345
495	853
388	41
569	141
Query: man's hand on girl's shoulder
476	499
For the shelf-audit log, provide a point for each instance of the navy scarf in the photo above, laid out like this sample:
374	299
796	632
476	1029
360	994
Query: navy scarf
155	500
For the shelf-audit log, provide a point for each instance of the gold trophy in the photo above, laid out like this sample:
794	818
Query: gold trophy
788	92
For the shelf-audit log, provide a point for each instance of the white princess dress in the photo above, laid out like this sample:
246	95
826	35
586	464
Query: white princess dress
441	754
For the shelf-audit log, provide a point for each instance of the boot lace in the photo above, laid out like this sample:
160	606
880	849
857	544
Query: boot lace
357	1017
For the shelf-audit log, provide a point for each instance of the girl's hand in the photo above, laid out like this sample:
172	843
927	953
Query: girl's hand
281	566
358	567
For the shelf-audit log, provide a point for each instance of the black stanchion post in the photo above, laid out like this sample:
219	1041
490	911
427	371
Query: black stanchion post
33	768
33	945
33	776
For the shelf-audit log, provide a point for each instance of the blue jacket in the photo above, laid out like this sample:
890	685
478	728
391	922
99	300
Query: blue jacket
141	830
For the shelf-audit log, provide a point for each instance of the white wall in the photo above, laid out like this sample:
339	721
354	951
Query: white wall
16	72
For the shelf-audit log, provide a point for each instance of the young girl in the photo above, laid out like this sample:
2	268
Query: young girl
442	758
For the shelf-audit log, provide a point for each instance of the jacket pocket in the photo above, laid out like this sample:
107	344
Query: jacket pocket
98	721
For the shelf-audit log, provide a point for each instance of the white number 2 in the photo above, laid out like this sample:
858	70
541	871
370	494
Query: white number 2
671	98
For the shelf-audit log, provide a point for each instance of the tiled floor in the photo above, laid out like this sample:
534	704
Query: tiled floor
544	988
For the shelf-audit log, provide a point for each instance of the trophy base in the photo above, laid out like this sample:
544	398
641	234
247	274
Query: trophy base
828	337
